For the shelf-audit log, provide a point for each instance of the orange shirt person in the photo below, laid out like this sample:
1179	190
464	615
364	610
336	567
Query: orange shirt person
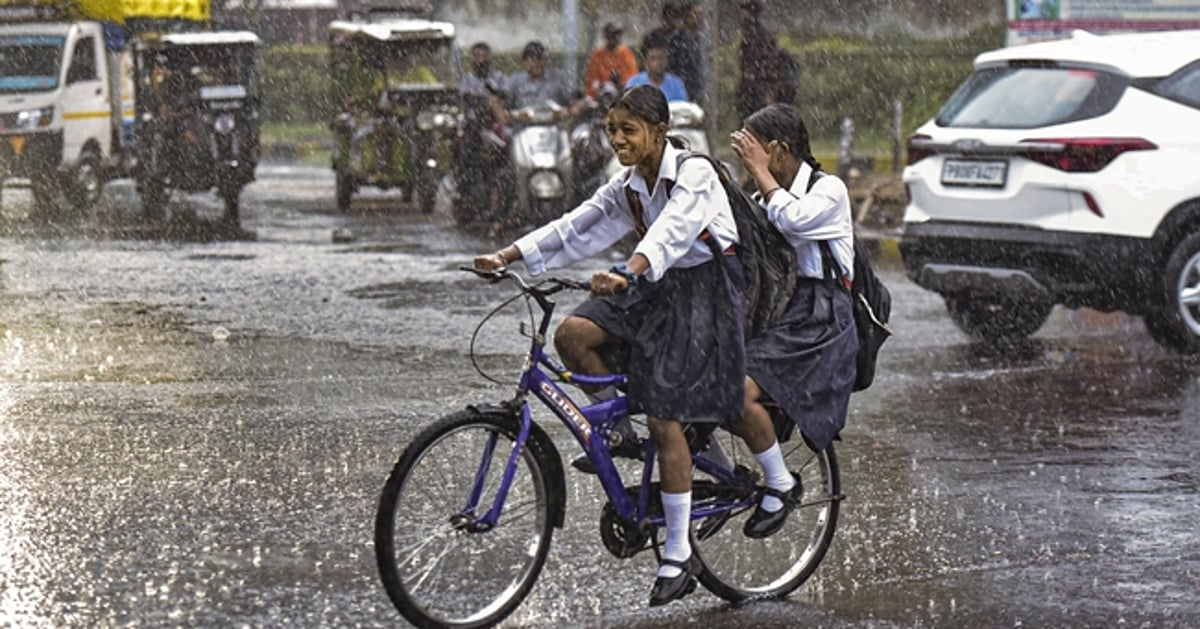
612	57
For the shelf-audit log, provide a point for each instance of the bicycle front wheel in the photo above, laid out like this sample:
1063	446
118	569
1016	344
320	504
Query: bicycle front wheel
439	567
740	568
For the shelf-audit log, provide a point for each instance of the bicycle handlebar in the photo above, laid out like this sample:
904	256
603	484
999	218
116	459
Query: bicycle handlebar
539	290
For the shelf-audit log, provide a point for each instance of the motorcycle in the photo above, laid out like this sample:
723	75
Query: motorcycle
482	174
197	118
540	156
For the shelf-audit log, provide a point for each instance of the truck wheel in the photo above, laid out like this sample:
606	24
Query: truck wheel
994	318
84	186
345	190
1175	322
154	199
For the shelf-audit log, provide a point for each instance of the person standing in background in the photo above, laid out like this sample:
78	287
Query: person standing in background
670	22
684	53
614	62
759	52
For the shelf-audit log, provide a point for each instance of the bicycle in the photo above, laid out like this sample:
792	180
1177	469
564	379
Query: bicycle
466	516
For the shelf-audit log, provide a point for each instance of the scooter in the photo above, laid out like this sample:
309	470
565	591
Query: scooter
540	157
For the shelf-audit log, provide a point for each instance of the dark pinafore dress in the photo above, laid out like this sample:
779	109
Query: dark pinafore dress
806	361
679	340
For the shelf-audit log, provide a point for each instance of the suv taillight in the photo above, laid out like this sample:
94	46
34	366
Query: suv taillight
1083	155
916	149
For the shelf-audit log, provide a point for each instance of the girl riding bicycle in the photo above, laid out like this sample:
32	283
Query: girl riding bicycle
672	307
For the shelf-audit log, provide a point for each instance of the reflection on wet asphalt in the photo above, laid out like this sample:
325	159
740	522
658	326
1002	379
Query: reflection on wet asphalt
156	471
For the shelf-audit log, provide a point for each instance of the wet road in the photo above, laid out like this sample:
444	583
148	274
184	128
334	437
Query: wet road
194	433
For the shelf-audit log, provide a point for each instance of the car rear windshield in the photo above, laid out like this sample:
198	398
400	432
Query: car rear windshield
1029	96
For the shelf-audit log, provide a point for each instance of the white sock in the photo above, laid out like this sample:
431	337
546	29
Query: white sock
776	473
678	511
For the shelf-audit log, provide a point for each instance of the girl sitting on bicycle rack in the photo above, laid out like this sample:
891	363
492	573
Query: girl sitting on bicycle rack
672	307
814	341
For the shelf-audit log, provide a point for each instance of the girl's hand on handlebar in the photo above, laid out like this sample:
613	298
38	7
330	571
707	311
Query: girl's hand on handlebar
490	262
605	283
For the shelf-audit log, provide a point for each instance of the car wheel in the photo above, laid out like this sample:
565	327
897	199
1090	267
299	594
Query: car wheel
1175	323
995	318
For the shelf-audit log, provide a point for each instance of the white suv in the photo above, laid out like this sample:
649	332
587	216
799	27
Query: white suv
1064	172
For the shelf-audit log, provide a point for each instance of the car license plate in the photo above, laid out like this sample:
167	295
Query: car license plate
960	172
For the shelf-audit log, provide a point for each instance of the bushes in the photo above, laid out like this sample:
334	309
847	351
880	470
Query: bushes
859	79
839	77
296	87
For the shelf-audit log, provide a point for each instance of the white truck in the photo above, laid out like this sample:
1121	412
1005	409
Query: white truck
66	94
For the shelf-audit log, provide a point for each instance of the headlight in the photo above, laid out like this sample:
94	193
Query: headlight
428	120
224	124
31	119
545	184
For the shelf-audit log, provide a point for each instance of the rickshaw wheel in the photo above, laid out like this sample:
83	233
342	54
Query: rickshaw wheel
345	190
230	194
154	199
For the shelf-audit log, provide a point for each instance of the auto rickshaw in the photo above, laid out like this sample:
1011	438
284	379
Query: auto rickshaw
396	81
197	123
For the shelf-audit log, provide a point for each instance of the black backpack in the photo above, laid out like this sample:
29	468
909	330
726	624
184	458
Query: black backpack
872	309
768	260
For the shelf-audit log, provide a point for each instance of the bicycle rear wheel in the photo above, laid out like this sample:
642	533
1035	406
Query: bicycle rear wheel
439	572
739	568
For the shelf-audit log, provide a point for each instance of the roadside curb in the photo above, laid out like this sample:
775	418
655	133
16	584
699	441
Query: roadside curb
883	244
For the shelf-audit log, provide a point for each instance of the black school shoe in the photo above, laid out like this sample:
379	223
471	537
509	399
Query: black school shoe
627	448
667	589
763	523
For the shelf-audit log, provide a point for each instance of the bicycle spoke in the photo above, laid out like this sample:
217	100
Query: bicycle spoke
739	567
436	569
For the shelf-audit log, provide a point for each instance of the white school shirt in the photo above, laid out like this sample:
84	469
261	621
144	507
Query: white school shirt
806	218
697	201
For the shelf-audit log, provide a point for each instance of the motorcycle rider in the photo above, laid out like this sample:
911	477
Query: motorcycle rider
539	83
654	50
482	79
612	62
479	153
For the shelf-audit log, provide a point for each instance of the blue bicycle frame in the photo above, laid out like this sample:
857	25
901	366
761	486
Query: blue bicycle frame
591	425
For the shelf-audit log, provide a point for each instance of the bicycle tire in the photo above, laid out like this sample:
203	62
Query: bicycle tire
738	568
438	575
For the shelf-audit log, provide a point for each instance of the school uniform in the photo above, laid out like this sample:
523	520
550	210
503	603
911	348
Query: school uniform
806	361
681	324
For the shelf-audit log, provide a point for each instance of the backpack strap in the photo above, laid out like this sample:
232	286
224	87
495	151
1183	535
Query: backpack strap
828	261
639	211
